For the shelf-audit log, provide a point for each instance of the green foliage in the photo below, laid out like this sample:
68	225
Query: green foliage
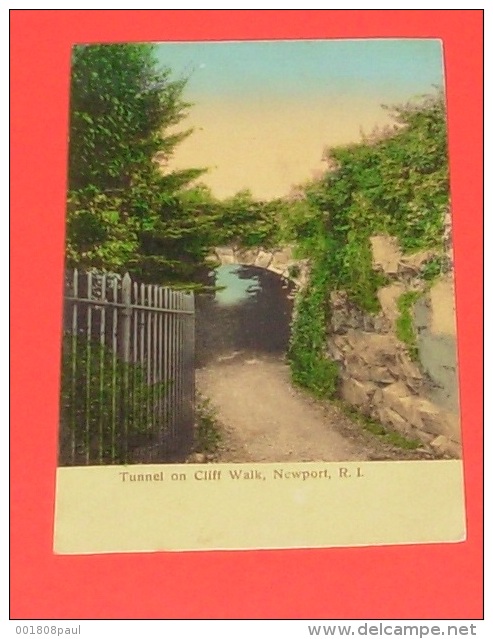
374	427
393	182
120	104
432	269
357	265
246	222
404	324
207	434
103	402
294	271
398	181
310	367
98	235
123	212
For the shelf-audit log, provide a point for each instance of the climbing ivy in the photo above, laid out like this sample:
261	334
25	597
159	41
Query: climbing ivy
404	323
310	367
394	182
247	222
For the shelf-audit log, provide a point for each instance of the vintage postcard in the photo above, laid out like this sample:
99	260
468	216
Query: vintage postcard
259	335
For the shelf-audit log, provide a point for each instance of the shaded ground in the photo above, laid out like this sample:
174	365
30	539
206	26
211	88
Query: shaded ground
265	419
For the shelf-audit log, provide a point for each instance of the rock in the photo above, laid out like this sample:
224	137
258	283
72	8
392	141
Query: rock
346	315
198	458
421	314
301	282
386	254
381	324
378	397
374	348
333	352
263	259
415	262
285	254
246	256
380	374
445	446
377	374
407	371
338	299
427	438
212	260
389	417
359	369
408	368
275	269
367	322
225	255
357	393
437	421
337	347
342	343
338	321
388	296
438	358
442	307
397	397
282	259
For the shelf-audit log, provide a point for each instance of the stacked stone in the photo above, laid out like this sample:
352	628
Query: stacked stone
378	376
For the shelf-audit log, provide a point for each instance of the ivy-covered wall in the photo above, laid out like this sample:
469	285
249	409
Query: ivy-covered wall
375	231
394	182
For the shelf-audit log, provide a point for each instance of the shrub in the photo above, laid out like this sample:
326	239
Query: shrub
106	404
404	323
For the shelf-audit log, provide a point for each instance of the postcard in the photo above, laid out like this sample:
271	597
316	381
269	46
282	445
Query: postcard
259	342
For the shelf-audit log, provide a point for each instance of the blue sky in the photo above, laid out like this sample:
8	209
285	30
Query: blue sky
264	111
312	67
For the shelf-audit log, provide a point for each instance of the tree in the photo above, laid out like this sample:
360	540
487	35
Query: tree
123	212
120	107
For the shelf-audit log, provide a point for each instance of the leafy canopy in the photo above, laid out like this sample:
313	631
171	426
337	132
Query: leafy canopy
120	107
394	181
124	211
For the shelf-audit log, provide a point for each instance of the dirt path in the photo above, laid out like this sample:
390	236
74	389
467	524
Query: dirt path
265	419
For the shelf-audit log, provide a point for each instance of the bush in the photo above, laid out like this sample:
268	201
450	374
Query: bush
207	435
310	368
106	404
404	324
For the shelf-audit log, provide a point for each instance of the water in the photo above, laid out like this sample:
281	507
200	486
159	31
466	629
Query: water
249	316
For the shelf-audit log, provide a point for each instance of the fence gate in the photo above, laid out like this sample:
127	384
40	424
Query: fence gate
128	378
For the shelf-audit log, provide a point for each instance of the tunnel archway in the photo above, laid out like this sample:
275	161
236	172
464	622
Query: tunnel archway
249	315
280	260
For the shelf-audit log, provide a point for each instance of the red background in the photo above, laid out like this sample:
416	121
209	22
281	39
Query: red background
426	581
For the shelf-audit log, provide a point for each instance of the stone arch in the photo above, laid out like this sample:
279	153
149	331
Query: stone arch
279	260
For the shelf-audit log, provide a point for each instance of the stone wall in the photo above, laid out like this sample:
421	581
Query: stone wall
278	260
378	377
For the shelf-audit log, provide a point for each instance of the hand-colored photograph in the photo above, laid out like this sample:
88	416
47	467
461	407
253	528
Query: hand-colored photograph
259	260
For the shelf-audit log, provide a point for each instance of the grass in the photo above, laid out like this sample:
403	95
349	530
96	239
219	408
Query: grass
374	427
404	324
432	269
207	434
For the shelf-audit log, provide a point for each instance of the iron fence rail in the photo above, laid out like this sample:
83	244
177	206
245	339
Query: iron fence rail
127	392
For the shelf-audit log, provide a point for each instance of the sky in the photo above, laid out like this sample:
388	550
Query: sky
263	112
236	289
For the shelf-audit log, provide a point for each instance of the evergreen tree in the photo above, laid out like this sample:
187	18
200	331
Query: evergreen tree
123	212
